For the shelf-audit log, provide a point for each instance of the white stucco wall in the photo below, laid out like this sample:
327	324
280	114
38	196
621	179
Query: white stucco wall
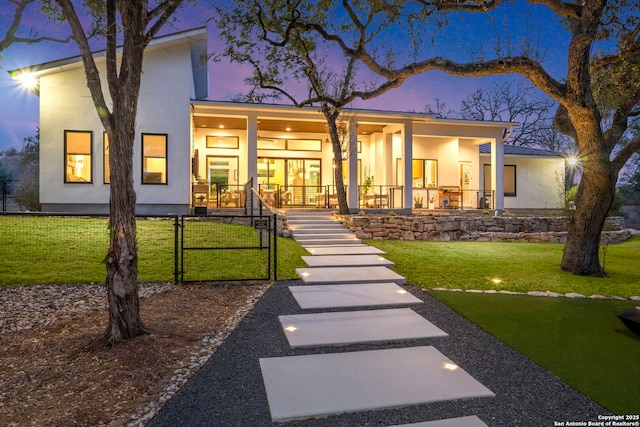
66	104
538	182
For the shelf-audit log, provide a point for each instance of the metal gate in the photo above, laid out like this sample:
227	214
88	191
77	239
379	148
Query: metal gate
227	247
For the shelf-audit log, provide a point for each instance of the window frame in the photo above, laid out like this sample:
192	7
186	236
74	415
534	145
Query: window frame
487	178
66	154
143	158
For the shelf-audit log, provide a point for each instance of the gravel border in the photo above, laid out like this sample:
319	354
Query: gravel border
228	390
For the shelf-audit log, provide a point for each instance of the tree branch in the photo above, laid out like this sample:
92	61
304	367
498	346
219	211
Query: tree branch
10	36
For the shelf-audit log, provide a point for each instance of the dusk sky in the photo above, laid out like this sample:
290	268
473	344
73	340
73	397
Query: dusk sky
19	108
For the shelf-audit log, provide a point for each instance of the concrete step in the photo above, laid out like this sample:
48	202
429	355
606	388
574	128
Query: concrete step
339	230
351	295
343	250
347	261
338	275
318	241
353	327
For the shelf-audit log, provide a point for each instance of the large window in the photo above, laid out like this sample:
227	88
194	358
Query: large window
154	158
425	173
509	180
78	156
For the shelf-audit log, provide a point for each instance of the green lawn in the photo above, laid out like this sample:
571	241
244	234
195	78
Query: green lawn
519	267
579	340
38	250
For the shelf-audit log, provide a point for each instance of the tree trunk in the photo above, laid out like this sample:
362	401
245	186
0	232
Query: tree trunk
593	201
332	116
122	257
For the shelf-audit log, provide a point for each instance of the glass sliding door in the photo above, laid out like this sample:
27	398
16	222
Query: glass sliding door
297	180
222	175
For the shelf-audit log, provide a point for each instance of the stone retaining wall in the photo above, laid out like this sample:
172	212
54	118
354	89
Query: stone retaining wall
479	228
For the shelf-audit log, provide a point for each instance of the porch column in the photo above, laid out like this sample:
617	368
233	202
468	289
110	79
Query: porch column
252	148
408	164
497	173
352	148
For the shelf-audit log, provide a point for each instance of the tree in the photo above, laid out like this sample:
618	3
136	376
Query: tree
12	34
27	193
597	100
136	23
266	36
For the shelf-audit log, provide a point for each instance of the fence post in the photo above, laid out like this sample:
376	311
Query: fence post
275	247
176	251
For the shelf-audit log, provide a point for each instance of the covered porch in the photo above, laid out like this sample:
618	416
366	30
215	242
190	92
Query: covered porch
395	161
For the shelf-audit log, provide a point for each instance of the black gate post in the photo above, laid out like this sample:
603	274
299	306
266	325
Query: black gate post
275	247
176	251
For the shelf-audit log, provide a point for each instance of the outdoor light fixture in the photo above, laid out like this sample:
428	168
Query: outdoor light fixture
572	161
450	366
291	328
631	319
27	80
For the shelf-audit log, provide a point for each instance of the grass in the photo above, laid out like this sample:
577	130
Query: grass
579	340
38	250
517	267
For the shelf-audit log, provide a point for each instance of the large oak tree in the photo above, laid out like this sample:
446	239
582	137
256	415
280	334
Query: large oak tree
289	63
134	23
598	98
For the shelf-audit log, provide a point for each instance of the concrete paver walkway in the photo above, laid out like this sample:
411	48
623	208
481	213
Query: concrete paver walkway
320	385
230	390
354	295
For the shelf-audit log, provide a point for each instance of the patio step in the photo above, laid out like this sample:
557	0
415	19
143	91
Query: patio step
347	261
323	231
343	250
318	241
338	275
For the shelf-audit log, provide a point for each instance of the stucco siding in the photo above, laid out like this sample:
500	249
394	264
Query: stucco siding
66	104
538	182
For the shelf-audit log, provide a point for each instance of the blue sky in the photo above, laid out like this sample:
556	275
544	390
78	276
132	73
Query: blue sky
19	108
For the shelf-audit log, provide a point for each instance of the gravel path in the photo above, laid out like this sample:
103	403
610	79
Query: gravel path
228	390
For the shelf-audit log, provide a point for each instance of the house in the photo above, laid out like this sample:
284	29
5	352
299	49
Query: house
191	151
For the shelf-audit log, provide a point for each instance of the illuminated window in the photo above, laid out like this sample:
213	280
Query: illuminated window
424	173
105	159
78	156
154	158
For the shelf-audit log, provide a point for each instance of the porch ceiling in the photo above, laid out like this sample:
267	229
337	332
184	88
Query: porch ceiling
240	123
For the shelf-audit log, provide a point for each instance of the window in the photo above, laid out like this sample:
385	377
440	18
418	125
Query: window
222	141
425	173
290	144
154	158
78	156
509	180
105	159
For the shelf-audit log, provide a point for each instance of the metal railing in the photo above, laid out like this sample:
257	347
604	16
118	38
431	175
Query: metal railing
451	197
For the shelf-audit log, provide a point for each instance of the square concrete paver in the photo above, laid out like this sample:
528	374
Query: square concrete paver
353	295
347	261
325	384
337	275
351	327
344	250
471	421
